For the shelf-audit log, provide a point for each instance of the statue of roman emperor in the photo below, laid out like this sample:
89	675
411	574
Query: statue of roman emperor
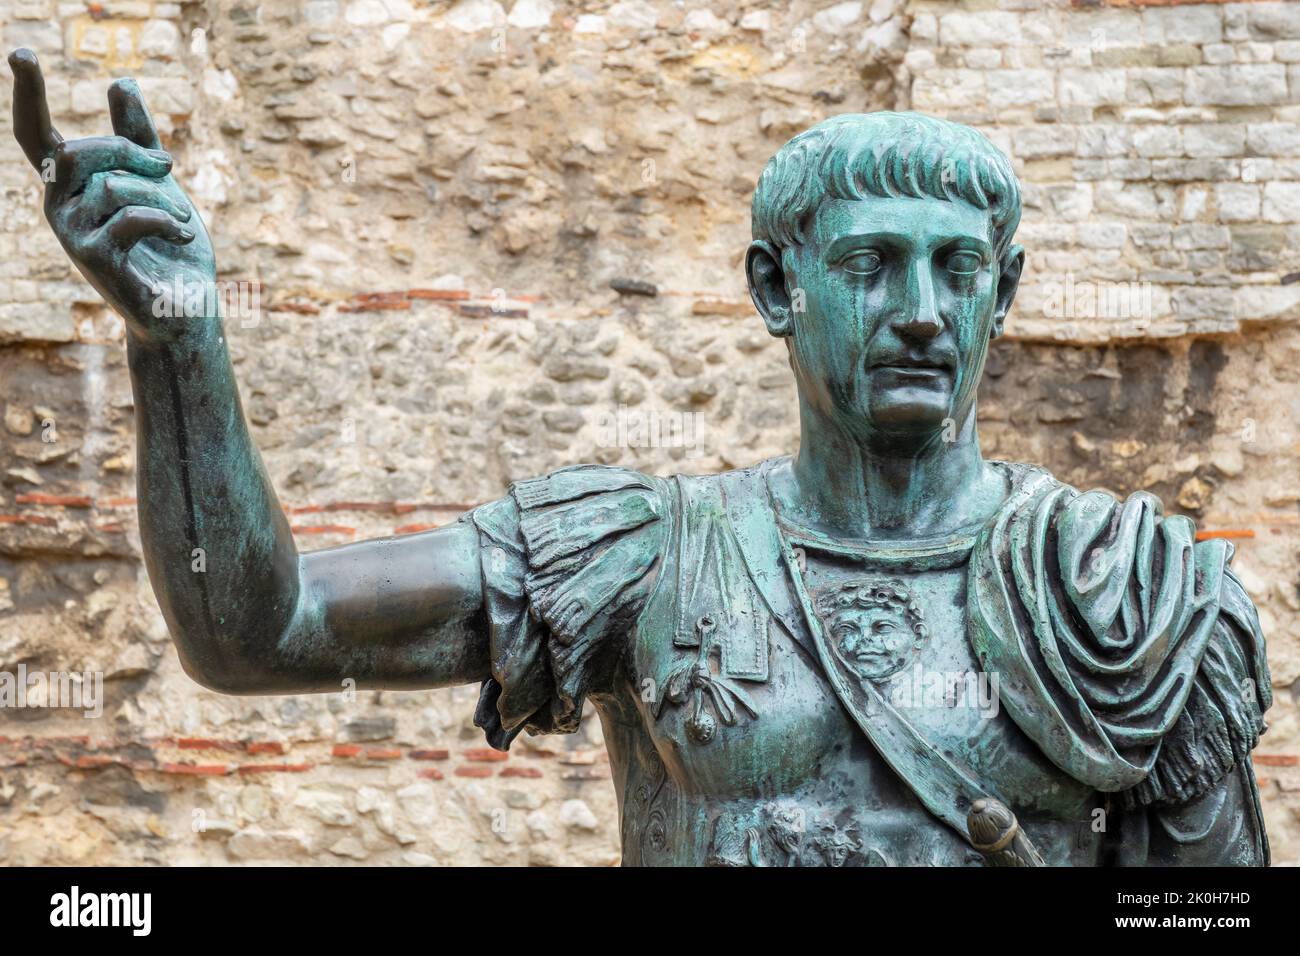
883	650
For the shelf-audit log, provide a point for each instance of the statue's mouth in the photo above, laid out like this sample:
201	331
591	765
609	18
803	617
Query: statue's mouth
915	363
903	367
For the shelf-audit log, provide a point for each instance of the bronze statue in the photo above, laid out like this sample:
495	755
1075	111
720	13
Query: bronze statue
884	650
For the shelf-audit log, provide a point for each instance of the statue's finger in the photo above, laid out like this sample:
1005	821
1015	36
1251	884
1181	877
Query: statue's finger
128	226
130	116
76	161
115	192
32	127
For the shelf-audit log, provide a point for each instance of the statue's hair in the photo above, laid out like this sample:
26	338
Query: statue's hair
884	154
854	595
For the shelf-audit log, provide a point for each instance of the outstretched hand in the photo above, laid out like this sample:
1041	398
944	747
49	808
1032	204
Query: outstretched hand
115	207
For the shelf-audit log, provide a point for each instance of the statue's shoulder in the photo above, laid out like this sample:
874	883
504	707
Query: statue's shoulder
749	481
573	515
570	510
1026	479
1128	649
579	482
595	486
1031	485
568	560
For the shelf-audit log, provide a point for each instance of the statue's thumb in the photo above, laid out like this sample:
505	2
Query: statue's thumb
130	116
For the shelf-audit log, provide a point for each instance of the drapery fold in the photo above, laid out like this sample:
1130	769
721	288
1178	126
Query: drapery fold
1128	651
567	562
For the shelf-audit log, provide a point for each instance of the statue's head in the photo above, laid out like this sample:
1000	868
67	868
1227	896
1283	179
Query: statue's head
883	254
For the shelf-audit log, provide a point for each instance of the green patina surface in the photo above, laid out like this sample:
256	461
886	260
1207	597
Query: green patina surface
881	650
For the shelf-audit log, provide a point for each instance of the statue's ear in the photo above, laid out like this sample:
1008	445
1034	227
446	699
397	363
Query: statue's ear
1008	282
767	287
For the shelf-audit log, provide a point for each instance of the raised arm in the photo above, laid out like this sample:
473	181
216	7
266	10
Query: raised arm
247	612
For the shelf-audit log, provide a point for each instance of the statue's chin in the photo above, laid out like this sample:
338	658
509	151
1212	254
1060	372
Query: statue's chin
916	412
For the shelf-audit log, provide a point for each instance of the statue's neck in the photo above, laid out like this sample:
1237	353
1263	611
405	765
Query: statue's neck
851	486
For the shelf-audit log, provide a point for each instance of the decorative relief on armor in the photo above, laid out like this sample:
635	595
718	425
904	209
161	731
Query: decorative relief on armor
698	686
735	843
770	835
778	834
648	803
874	626
787	827
837	844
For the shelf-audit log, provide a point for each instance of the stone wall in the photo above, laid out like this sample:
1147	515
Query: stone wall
476	241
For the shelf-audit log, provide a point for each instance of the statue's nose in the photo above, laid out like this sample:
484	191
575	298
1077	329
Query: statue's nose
919	319
922	326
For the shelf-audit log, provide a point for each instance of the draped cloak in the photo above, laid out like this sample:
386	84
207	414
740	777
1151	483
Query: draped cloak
1128	650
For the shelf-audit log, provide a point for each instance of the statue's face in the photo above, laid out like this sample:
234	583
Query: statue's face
899	303
877	642
837	850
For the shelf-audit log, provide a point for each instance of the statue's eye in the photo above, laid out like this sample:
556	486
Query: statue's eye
884	627
963	262
861	263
